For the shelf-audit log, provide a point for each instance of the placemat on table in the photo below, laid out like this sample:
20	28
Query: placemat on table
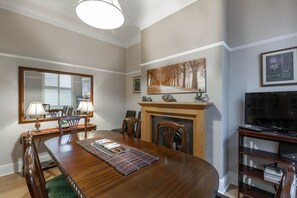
126	162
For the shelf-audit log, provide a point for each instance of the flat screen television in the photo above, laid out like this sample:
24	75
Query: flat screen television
273	111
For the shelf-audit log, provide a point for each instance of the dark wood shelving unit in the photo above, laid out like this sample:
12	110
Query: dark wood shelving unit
246	190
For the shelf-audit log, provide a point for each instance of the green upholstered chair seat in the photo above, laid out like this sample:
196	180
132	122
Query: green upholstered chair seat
58	187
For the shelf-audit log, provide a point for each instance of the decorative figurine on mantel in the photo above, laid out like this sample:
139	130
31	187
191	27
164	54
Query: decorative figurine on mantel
168	98
200	98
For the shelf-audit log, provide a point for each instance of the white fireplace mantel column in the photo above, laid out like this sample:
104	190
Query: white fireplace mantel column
184	110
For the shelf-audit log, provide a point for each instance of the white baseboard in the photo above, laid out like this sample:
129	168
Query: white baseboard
229	178
17	167
223	184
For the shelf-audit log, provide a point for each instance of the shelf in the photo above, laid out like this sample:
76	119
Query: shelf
272	136
265	155
253	173
251	191
256	174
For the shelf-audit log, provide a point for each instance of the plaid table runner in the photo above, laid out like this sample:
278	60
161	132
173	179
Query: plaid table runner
126	162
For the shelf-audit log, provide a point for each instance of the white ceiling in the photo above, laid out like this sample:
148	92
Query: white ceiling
138	14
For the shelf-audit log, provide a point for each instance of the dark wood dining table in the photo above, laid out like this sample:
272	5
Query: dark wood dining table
175	174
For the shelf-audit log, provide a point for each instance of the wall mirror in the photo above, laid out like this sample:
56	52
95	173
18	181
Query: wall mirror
59	92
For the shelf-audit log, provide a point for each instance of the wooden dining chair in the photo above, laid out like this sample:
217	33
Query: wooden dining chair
37	186
287	188
71	123
129	114
131	126
171	130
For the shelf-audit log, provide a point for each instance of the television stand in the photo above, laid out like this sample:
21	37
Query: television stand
257	174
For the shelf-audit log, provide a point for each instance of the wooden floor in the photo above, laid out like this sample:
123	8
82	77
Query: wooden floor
14	185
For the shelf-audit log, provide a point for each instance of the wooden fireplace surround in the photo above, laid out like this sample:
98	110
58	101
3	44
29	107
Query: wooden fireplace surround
184	110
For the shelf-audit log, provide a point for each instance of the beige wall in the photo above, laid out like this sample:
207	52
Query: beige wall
253	20
25	36
45	46
197	25
133	56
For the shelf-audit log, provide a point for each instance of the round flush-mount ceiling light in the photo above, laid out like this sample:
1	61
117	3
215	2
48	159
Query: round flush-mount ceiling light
102	14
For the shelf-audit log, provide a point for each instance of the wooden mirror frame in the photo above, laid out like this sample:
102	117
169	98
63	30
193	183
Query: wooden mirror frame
22	94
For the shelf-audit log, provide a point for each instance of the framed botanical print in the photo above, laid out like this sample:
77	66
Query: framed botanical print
279	67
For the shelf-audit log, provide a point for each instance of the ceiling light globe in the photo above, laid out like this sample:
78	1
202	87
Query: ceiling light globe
102	14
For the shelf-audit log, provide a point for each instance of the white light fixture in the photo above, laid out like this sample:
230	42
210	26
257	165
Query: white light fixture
102	14
35	110
86	106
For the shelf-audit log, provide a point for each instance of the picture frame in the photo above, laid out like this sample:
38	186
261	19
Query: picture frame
183	77
279	67
136	84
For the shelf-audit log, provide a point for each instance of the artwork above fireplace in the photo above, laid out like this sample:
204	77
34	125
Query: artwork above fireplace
185	77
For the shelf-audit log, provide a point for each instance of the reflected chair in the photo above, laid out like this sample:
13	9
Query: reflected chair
37	186
170	131
64	111
287	187
132	127
71	123
69	111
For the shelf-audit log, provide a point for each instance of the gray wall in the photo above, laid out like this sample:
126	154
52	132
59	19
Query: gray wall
28	42
186	35
256	26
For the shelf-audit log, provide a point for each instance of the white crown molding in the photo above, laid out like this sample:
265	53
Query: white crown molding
134	72
133	40
162	12
266	41
60	63
217	44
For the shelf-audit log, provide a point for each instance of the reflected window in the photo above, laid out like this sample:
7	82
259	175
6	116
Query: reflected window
57	89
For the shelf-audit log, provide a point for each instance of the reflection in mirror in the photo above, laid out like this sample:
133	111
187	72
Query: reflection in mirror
59	92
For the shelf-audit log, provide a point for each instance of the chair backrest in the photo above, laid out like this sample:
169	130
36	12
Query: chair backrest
139	115
132	126
64	112
71	122
130	113
170	130
287	186
69	111
32	171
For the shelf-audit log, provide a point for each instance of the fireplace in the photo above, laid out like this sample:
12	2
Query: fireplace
186	122
194	112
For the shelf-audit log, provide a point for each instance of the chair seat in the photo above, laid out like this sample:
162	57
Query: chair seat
58	187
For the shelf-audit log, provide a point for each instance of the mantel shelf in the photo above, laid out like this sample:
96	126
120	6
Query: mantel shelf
179	105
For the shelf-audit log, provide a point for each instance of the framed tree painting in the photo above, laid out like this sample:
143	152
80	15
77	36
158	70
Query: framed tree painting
279	67
185	77
136	84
